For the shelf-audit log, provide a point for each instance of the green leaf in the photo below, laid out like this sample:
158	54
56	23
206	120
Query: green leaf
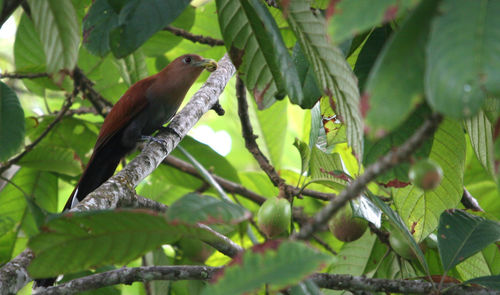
307	79
421	210
333	73
392	90
473	267
256	48
333	127
354	17
399	225
354	257
375	149
42	186
57	26
463	66
53	159
491	282
274	263
133	67
194	208
11	122
481	136
79	240
461	235
272	127
124	26
305	155
369	53
327	169
307	287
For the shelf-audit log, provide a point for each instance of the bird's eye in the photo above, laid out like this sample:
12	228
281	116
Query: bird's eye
187	60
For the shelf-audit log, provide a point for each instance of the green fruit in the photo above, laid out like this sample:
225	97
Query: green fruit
400	245
274	217
345	227
426	174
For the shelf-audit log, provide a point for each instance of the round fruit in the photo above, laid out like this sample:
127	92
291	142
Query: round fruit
401	246
345	227
426	174
274	217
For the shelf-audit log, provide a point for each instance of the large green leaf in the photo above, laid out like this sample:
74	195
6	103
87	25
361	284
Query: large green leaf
124	26
354	257
354	17
133	67
194	208
481	136
327	169
80	240
308	82
57	26
53	159
461	235
274	263
463	65
421	210
11	122
492	282
256	48
42	186
395	84
333	73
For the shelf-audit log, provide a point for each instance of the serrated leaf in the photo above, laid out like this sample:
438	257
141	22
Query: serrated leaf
392	91
333	73
284	263
463	65
354	17
421	210
481	136
193	208
53	159
57	26
79	240
492	282
133	67
256	48
461	235
11	122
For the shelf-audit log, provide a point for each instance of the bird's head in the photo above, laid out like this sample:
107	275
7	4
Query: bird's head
193	62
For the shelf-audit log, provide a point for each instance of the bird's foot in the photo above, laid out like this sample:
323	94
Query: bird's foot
170	130
148	139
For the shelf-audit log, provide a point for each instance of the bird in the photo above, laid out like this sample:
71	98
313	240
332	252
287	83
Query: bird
143	109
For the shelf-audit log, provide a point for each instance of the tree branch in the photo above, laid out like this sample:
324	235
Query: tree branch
356	187
23	76
127	275
194	38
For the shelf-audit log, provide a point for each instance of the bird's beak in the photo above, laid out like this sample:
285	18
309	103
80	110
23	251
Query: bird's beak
207	63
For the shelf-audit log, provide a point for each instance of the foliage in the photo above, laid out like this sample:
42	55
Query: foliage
333	86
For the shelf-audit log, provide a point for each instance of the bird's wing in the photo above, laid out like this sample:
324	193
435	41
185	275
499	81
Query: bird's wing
129	106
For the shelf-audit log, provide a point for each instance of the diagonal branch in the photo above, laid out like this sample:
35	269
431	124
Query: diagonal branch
356	187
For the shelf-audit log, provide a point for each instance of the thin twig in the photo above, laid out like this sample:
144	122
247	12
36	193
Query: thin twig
249	136
324	244
86	87
194	38
356	187
23	75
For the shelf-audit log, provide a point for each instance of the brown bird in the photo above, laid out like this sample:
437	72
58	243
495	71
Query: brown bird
144	108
